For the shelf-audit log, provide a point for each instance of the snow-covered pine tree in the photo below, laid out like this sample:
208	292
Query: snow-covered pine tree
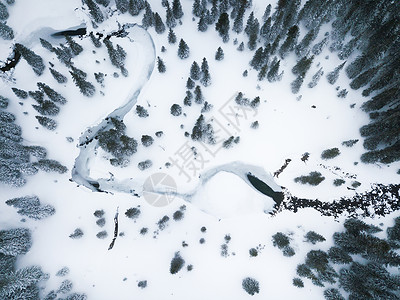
96	41
303	65
290	42
3	12
148	17
190	83
198	95
52	94
258	59
197	8
158	24
160	65
122	5
171	36
202	25
195	71
47	122
316	77
135	7
94	11
58	76
334	75
177	9
34	60
76	49
15	241
273	73
6	31
170	21
222	27
85	87
219	55
105	3
183	50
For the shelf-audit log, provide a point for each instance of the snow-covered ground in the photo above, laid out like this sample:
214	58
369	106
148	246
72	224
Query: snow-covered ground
224	202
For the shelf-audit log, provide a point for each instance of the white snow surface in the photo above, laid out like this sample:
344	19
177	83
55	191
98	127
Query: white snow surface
217	194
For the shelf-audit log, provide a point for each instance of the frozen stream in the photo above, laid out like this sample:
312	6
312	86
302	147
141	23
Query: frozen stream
254	176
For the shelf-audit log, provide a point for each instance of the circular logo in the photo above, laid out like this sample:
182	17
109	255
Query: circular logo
159	189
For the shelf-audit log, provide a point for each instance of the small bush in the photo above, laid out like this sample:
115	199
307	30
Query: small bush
65	287
189	268
143	165
333	294
102	234
133	213
144	231
142	284
202	241
251	286
330	153
203	229
176	110
162	223
99	213
63	272
298	282
313	237
349	143
176	263
77	234
178	215
280	240
101	222
147	140
288	251
314	178
338	182
253	252
141	111
355	184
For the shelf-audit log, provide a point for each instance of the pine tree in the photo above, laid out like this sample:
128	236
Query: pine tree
238	22
334	75
303	47
205	78
183	50
195	71
222	26
219	55
364	78
223	6
202	25
267	12
15	242
135	7
160	65
240	47
46	122
171	36
148	17
317	48
47	108
290	42
303	65
105	3
94	11
296	84
198	95
34	60
315	79
263	72
258	59
74	46
47	45
177	9
64	55
273	72
170	21
122	5
6	31
265	30
85	87
20	93
250	23
52	94
190	83
188	98
159	24
3	12
197	9
58	76
95	41
117	55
